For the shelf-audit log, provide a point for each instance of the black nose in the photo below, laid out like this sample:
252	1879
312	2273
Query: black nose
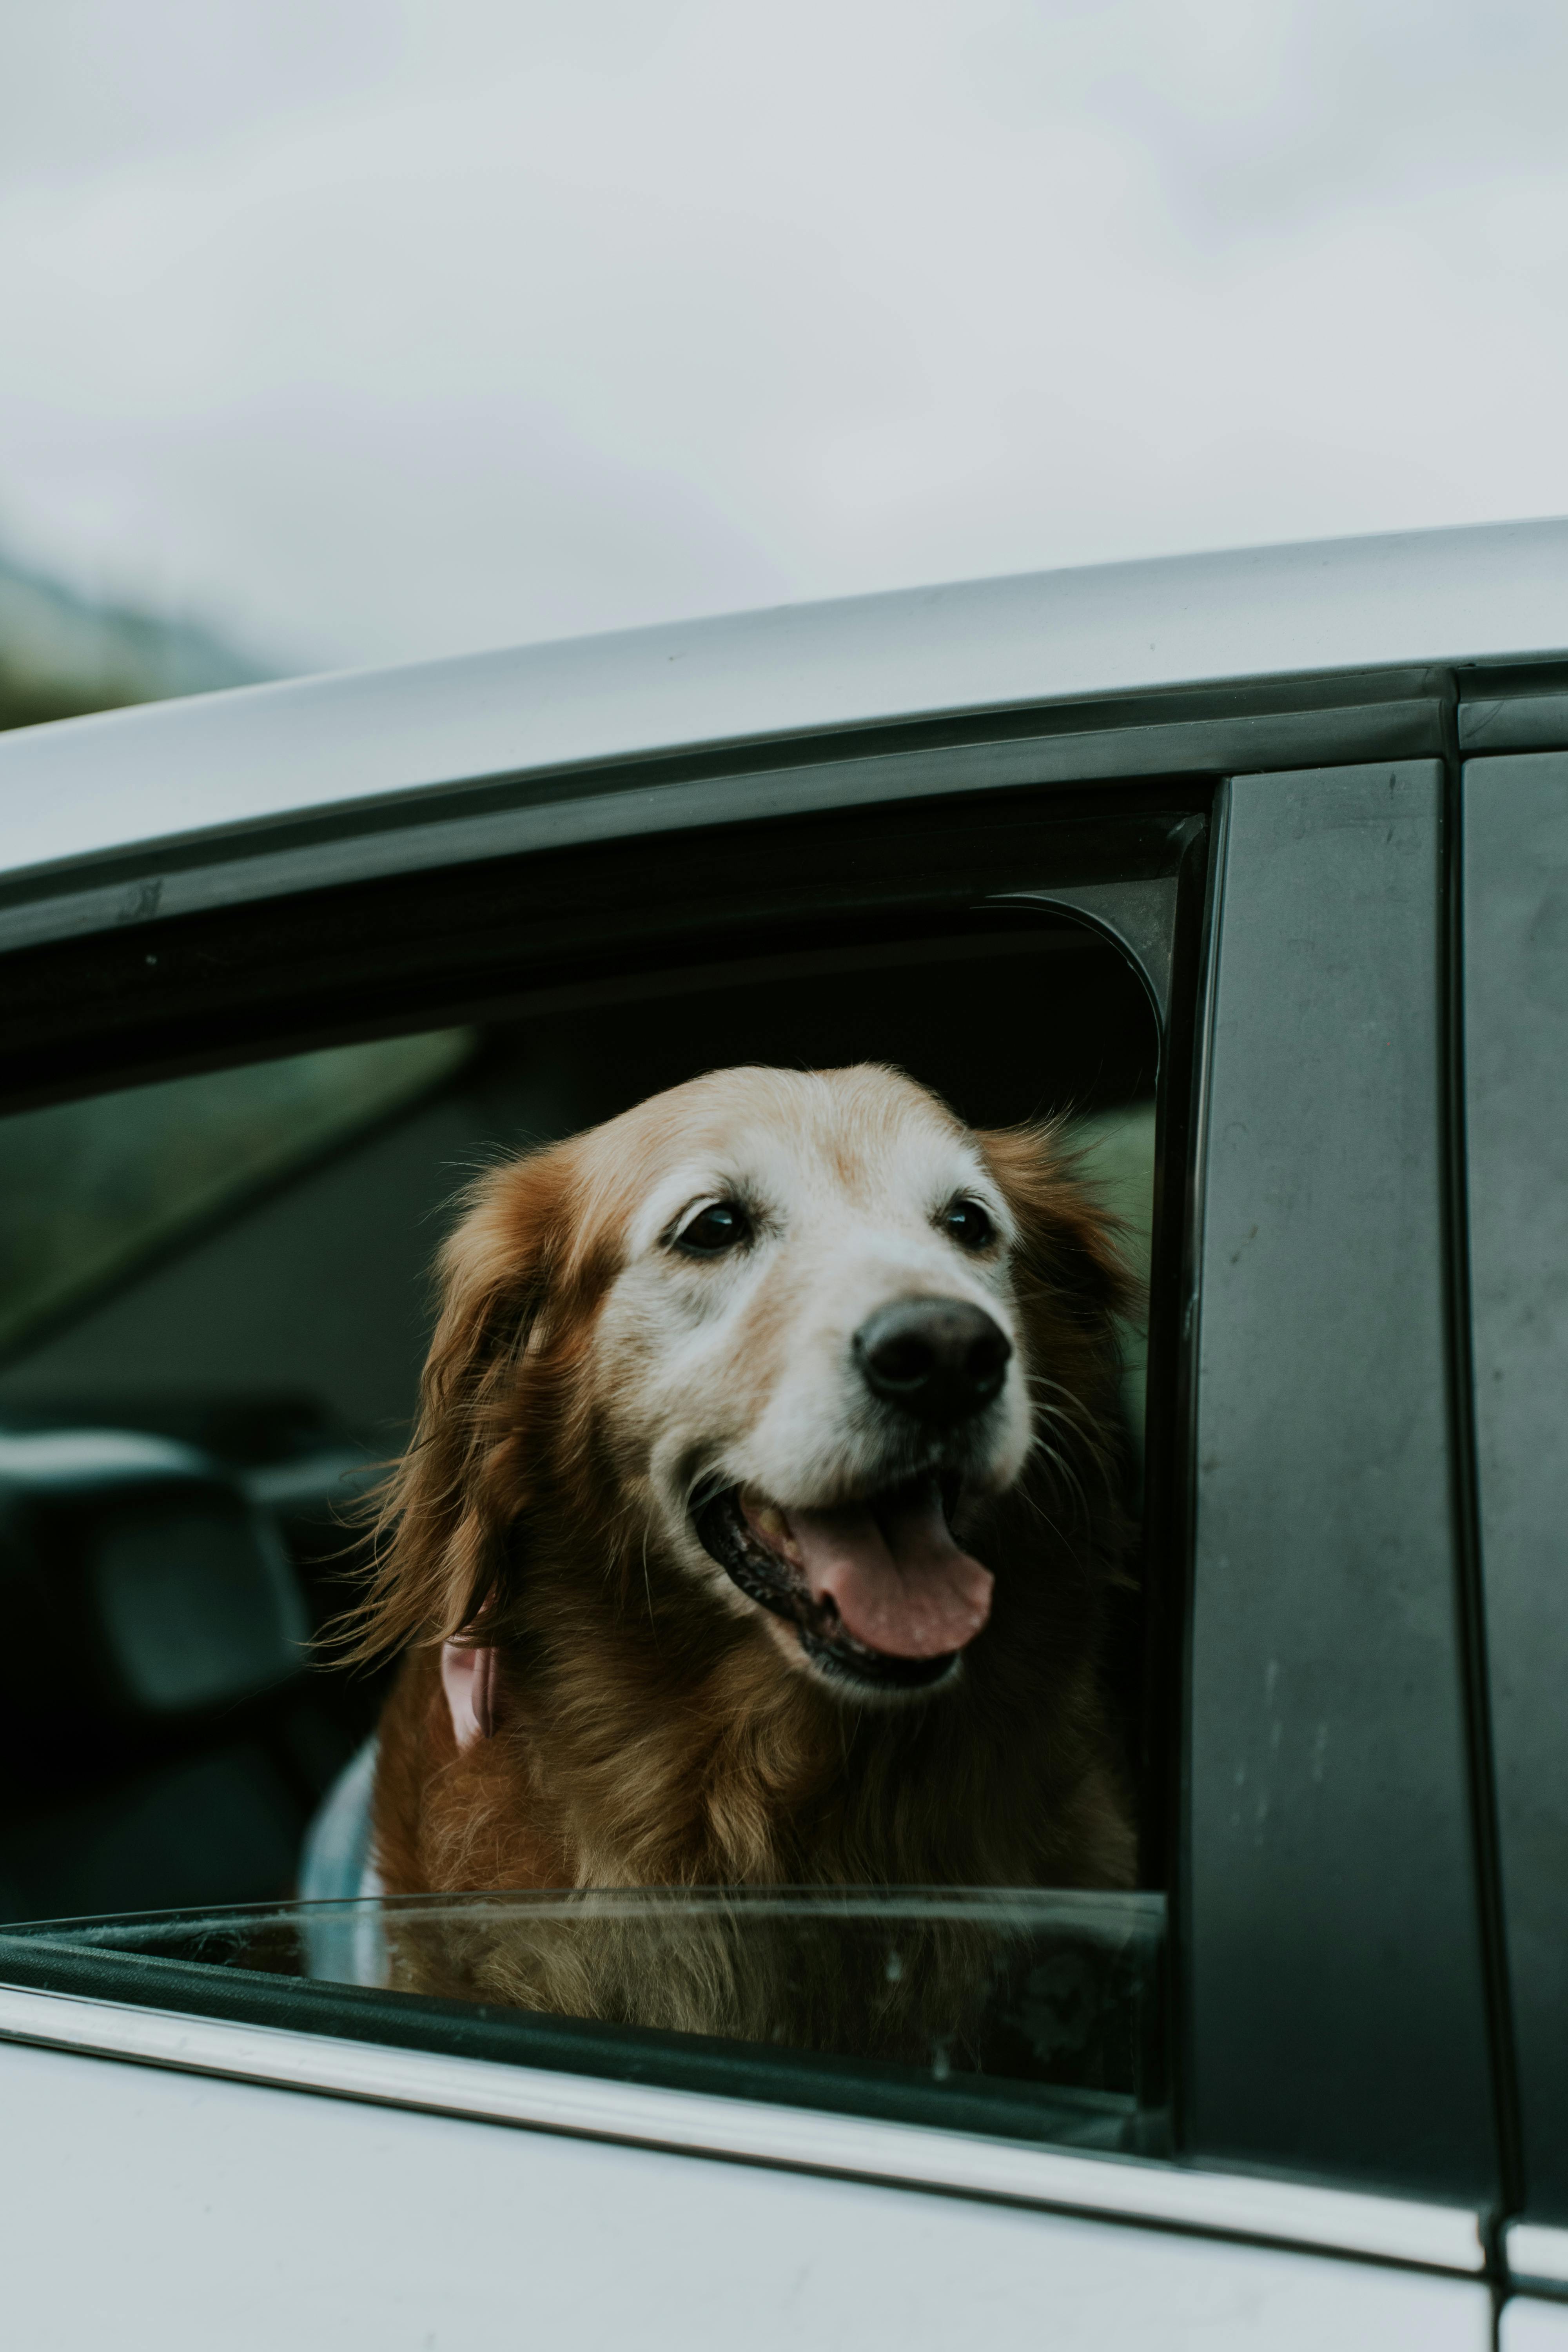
939	1358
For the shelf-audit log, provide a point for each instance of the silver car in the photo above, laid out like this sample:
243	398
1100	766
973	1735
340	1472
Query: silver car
1256	866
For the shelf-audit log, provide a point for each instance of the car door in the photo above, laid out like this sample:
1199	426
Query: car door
202	2145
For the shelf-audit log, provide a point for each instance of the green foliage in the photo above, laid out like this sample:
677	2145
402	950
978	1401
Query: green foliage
91	1190
27	699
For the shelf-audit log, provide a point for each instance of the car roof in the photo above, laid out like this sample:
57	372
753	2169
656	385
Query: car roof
253	756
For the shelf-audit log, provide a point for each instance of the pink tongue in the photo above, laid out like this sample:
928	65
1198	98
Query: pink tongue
897	1580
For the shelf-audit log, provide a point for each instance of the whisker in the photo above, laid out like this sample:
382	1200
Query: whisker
1064	1473
647	1587
1031	1502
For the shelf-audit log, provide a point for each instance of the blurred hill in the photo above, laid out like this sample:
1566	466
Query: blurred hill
61	653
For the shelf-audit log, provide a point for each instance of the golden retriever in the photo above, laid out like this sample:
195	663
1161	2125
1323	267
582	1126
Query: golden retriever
758	1526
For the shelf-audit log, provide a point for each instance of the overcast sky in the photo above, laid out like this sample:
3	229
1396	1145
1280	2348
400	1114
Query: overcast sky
370	330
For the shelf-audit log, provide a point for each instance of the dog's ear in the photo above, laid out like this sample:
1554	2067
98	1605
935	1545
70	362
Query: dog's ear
1075	1292
445	1516
1071	1253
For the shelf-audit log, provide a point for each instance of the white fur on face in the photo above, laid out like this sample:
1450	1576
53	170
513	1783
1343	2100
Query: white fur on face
739	1370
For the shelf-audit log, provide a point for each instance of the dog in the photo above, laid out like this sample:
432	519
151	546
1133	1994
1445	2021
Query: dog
758	1530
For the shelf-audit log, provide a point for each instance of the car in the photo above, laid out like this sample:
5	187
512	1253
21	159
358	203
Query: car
1256	866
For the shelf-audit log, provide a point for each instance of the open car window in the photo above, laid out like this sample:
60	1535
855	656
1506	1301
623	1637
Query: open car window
91	1189
219	1302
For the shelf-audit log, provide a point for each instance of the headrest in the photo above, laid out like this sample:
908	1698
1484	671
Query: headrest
138	1579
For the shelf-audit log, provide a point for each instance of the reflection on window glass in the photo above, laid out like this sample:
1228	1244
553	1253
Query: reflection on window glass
1032	2013
87	1189
1116	1151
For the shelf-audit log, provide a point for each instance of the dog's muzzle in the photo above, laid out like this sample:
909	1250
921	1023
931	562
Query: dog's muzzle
877	1591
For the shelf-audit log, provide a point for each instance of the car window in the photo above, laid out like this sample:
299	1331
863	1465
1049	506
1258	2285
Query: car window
91	1188
220	1304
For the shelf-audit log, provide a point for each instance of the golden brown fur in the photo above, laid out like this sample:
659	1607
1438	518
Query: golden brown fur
653	1732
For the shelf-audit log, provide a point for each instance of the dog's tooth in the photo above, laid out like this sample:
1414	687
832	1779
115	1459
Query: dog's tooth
770	1521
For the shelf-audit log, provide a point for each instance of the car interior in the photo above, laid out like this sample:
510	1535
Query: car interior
234	1271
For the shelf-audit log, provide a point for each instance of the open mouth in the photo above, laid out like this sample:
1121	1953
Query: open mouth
878	1590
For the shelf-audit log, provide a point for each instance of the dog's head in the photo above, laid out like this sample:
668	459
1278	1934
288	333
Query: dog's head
781	1336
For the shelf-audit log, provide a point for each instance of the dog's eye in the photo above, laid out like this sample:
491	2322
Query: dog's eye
970	1225
721	1225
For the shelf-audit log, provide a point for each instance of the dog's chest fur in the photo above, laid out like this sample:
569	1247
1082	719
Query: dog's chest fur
612	1767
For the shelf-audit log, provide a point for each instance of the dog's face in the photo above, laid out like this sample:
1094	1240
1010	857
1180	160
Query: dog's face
809	1358
793	1330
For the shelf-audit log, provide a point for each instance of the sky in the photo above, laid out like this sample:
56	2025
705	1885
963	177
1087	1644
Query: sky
368	332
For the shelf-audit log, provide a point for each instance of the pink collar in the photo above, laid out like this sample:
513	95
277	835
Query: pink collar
469	1679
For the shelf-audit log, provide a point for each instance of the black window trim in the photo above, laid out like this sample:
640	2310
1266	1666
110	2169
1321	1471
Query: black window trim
1198	731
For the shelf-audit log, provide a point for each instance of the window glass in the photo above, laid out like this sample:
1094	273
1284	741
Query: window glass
90	1189
1020	2012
